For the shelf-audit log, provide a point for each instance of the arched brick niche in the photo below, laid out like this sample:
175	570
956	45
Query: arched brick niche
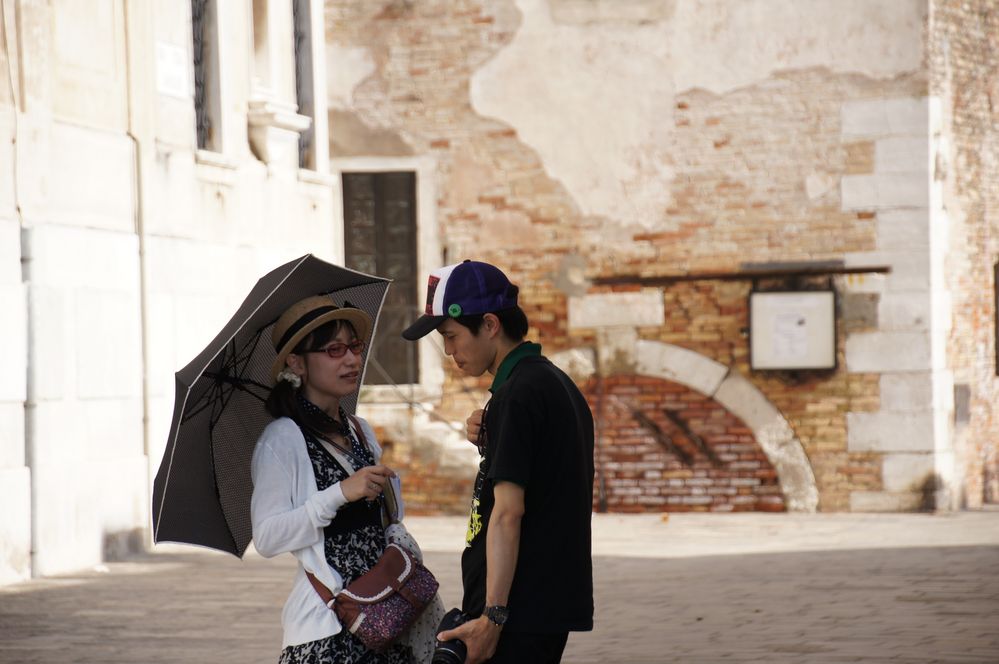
666	447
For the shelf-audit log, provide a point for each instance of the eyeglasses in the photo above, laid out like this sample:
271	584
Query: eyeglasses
339	350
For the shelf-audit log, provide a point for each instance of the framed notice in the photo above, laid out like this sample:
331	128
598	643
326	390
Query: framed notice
792	330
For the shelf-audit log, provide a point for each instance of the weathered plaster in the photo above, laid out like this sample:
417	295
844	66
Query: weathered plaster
585	99
352	137
592	90
345	69
740	43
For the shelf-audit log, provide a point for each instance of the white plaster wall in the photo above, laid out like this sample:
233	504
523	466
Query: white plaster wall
84	413
591	86
107	165
15	480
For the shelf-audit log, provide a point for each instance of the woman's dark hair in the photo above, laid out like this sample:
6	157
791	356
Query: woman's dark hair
283	399
513	321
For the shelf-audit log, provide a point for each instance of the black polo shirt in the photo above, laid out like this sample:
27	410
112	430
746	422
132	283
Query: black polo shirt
539	434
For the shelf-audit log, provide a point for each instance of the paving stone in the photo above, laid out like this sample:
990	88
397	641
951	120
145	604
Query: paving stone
696	588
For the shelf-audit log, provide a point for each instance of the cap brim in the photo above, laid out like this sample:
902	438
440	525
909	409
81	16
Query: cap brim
423	326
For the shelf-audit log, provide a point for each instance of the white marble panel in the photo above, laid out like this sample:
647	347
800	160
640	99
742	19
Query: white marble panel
108	341
903	154
890	432
637	309
15	526
888	351
881	501
907	472
14	349
11	434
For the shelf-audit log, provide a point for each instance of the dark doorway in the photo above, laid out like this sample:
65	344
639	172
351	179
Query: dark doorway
379	215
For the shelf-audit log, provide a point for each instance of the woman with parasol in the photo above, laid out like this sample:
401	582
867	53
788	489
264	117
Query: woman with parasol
317	479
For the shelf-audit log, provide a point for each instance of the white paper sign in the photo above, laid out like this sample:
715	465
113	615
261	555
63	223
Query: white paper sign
793	330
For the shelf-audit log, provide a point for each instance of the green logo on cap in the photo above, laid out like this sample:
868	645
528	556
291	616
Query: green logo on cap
454	310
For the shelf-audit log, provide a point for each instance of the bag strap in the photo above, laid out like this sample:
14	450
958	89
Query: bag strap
324	593
389	492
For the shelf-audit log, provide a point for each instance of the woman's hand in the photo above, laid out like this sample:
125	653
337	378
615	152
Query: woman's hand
473	425
367	483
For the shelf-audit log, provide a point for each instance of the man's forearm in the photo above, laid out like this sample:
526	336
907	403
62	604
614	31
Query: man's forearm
502	547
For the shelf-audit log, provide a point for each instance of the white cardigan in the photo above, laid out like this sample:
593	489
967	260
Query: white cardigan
289	514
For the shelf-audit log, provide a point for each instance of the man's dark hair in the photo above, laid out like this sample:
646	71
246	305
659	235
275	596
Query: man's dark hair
513	321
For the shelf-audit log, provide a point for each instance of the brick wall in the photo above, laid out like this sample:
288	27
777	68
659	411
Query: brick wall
665	447
964	60
753	176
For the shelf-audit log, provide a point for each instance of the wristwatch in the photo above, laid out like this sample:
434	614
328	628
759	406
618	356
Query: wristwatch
497	614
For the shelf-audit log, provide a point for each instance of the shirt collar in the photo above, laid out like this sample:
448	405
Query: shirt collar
526	349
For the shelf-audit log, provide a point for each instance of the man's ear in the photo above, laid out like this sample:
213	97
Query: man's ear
492	325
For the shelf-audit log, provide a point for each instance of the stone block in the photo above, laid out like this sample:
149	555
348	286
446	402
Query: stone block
903	154
639	309
859	192
890	432
53	371
903	230
875	118
903	190
885	190
108	343
7	197
883	501
888	351
66	520
15	526
907	392
680	365
10	252
94	177
79	505
69	258
109	428
905	311
14	350
11	434
902	473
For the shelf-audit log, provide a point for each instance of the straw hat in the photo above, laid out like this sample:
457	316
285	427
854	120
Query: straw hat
305	316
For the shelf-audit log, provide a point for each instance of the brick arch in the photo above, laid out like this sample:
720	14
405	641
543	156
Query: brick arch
724	398
664	446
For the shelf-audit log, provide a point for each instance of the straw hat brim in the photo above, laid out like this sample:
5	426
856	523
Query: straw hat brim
359	319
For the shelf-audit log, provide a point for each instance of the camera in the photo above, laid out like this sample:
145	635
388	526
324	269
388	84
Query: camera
453	651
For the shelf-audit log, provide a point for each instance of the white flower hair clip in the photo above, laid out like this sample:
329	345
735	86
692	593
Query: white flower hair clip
290	376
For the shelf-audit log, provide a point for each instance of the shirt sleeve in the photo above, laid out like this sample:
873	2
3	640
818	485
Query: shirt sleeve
514	437
279	525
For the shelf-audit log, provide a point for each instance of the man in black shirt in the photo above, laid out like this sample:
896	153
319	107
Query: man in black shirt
526	569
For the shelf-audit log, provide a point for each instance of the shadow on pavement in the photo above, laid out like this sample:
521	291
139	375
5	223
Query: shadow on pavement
911	604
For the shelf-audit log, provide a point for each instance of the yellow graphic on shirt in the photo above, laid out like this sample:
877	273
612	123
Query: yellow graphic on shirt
474	523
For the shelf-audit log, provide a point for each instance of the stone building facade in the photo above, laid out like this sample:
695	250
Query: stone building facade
642	167
152	166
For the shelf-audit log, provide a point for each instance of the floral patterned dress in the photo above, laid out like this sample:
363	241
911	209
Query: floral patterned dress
354	541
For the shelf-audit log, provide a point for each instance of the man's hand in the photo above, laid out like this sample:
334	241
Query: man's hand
473	426
480	637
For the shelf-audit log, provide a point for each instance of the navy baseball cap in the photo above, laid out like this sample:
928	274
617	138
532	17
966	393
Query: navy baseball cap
462	289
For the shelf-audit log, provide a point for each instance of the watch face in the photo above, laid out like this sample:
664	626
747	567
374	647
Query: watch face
498	614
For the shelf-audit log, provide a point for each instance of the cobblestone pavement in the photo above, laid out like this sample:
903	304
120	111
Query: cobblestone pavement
695	588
